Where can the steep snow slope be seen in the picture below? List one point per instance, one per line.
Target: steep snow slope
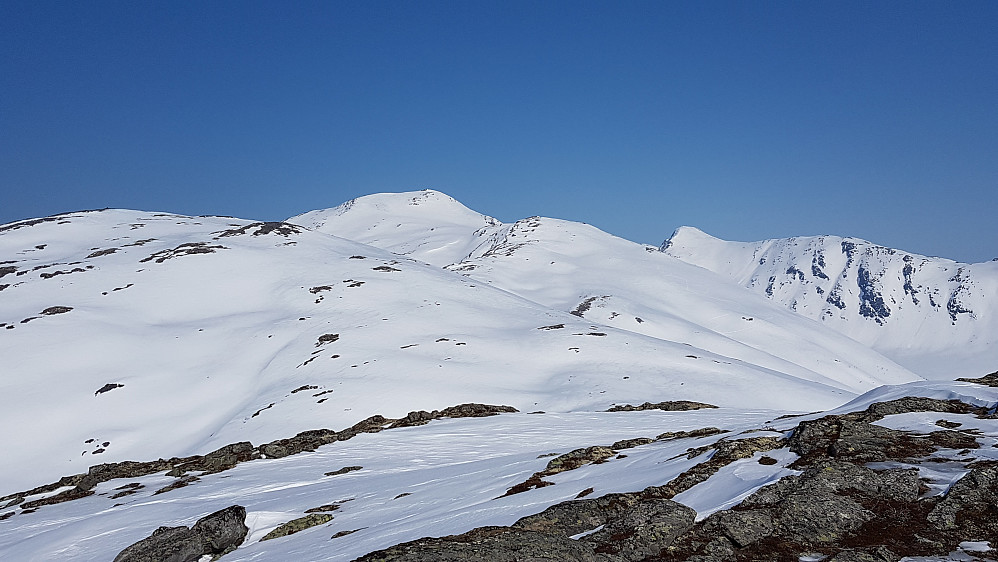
(575, 267)
(128, 335)
(933, 315)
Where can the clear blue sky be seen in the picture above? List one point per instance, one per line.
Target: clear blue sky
(749, 120)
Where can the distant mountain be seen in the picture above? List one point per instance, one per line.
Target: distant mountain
(576, 268)
(933, 315)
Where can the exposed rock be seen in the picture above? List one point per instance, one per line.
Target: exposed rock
(300, 524)
(344, 470)
(494, 544)
(213, 534)
(166, 544)
(989, 379)
(668, 406)
(876, 554)
(577, 458)
(107, 387)
(631, 443)
(702, 432)
(818, 517)
(642, 530)
(52, 310)
(743, 528)
(263, 228)
(971, 505)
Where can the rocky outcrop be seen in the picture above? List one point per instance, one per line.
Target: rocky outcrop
(987, 380)
(299, 524)
(214, 534)
(668, 406)
(836, 507)
(615, 527)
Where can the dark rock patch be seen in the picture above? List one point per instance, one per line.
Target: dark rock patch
(100, 253)
(987, 380)
(327, 338)
(344, 470)
(668, 406)
(47, 275)
(181, 482)
(385, 268)
(267, 407)
(552, 327)
(52, 310)
(215, 534)
(263, 228)
(297, 525)
(584, 306)
(186, 249)
(108, 387)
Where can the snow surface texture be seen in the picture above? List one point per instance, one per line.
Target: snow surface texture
(129, 335)
(443, 478)
(935, 316)
(208, 324)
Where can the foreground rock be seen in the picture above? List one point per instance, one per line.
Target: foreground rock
(836, 509)
(214, 534)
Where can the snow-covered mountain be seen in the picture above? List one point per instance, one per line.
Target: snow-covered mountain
(935, 316)
(136, 336)
(207, 329)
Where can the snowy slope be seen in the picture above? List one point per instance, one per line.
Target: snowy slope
(575, 267)
(445, 478)
(144, 335)
(933, 315)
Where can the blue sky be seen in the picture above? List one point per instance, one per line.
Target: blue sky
(749, 120)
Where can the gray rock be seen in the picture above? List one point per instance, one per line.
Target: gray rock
(166, 544)
(300, 524)
(642, 530)
(815, 518)
(577, 516)
(222, 530)
(969, 505)
(216, 533)
(875, 554)
(745, 527)
(492, 544)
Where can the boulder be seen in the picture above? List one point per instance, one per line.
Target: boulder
(213, 534)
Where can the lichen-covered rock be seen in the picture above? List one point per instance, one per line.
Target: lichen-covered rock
(577, 458)
(810, 518)
(491, 544)
(577, 516)
(300, 524)
(744, 527)
(642, 530)
(971, 505)
(668, 406)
